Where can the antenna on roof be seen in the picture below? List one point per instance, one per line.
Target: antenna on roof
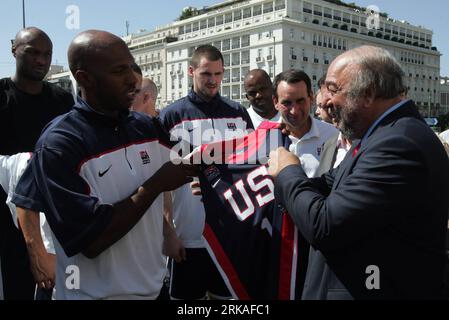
(127, 27)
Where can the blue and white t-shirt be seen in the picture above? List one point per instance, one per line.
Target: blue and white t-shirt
(84, 162)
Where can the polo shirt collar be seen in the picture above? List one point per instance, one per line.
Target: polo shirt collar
(84, 107)
(196, 99)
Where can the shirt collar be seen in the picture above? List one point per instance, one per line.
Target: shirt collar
(196, 99)
(314, 132)
(383, 116)
(86, 108)
(343, 143)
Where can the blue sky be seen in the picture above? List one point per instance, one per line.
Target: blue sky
(111, 15)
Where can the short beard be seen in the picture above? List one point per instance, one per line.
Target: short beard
(348, 119)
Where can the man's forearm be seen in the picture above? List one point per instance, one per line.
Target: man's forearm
(29, 224)
(42, 263)
(127, 213)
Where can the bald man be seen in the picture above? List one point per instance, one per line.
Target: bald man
(97, 174)
(377, 224)
(27, 104)
(145, 99)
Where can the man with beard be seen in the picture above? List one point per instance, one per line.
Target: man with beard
(377, 223)
(293, 98)
(27, 104)
(259, 92)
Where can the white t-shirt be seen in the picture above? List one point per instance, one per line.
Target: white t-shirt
(256, 119)
(11, 169)
(309, 147)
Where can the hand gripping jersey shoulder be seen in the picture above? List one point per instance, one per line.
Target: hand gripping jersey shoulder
(250, 237)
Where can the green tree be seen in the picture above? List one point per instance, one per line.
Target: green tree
(188, 13)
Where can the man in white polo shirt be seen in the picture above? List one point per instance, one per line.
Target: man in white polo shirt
(293, 98)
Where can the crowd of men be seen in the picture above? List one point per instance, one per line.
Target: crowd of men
(89, 181)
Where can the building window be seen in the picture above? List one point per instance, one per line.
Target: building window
(279, 5)
(245, 57)
(236, 43)
(267, 7)
(245, 41)
(226, 76)
(228, 18)
(237, 15)
(257, 11)
(236, 58)
(226, 45)
(236, 75)
(246, 13)
(227, 60)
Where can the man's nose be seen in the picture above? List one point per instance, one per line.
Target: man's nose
(41, 59)
(294, 109)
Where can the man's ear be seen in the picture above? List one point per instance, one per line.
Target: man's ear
(369, 98)
(84, 79)
(275, 102)
(13, 50)
(146, 97)
(190, 71)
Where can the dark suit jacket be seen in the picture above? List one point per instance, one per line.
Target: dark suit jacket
(328, 156)
(386, 207)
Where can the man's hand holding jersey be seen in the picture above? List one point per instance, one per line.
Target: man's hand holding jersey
(280, 159)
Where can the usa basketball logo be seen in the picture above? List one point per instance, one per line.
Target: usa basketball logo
(232, 126)
(145, 157)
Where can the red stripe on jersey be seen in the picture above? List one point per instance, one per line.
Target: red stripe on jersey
(225, 264)
(268, 125)
(249, 144)
(286, 257)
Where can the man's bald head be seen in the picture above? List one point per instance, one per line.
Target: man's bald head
(259, 74)
(28, 35)
(32, 49)
(102, 65)
(89, 46)
(373, 70)
(145, 100)
(149, 86)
